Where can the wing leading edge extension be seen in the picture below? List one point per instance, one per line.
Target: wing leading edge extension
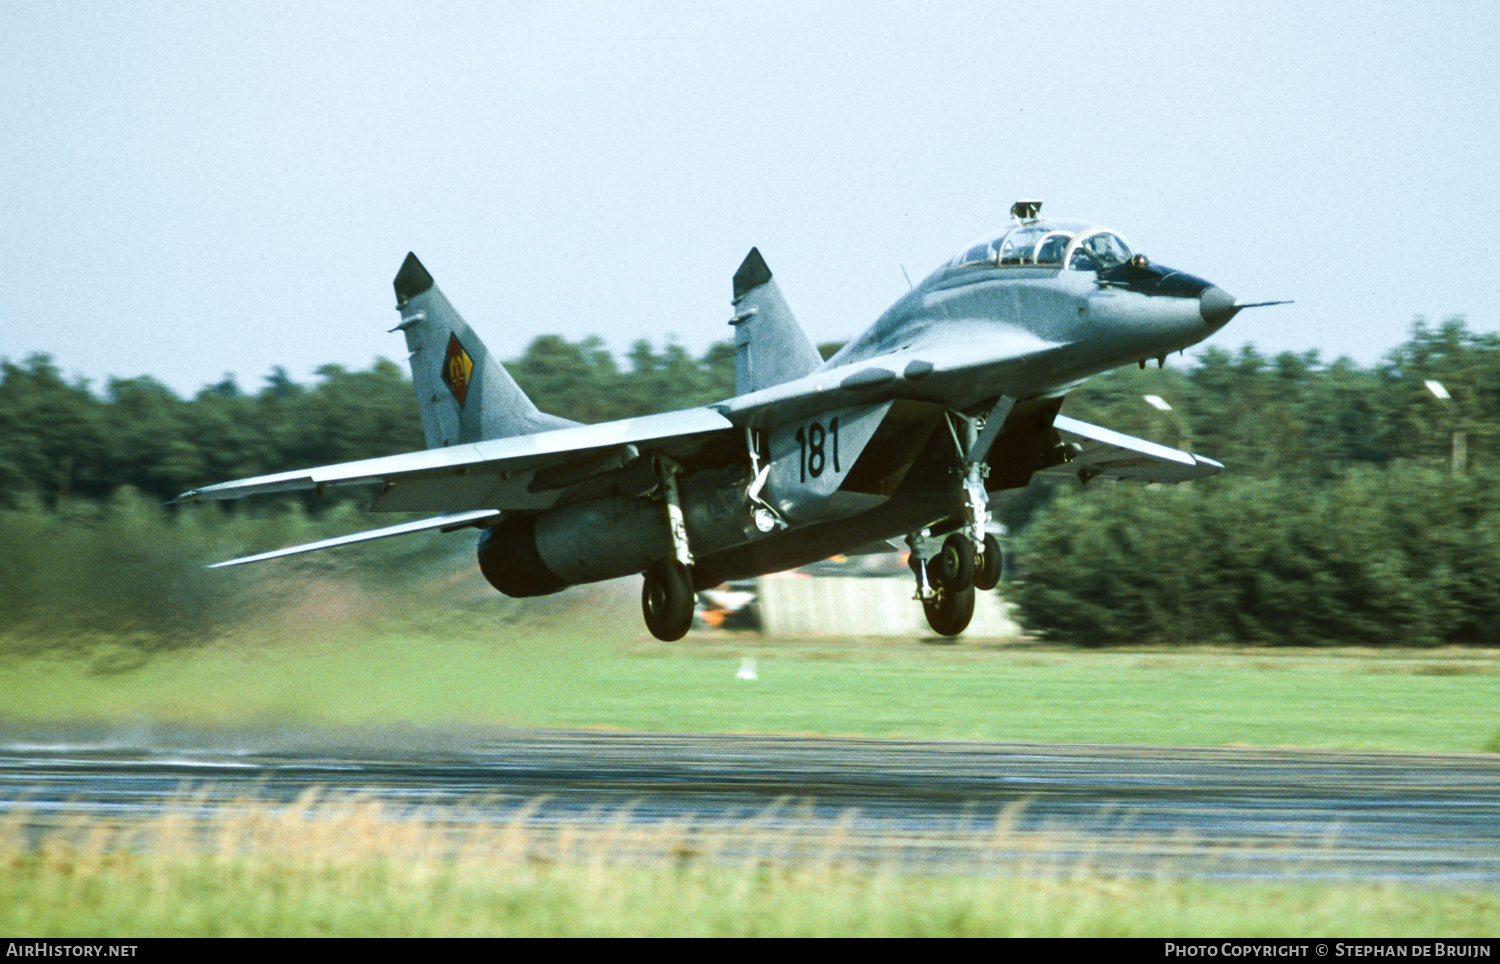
(1105, 452)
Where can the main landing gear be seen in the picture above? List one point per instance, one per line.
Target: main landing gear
(667, 597)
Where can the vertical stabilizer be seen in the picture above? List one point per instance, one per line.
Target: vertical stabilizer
(770, 348)
(463, 393)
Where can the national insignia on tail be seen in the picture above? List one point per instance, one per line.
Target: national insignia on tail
(458, 368)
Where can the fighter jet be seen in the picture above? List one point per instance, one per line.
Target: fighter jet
(899, 438)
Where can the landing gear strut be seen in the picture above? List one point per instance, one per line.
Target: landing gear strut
(974, 448)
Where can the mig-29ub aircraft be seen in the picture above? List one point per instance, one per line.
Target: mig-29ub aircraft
(952, 394)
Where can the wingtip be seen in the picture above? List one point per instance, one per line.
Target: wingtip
(411, 280)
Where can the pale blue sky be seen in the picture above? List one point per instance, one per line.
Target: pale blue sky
(199, 188)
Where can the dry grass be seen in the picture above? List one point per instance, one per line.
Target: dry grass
(324, 865)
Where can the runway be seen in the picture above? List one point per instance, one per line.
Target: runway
(965, 808)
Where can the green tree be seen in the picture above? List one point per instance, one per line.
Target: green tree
(150, 444)
(576, 380)
(51, 439)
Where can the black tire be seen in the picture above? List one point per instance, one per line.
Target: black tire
(956, 562)
(667, 600)
(987, 573)
(948, 612)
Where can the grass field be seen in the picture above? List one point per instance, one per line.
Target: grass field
(340, 660)
(592, 666)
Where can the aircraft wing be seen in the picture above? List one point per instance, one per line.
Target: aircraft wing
(521, 472)
(1104, 452)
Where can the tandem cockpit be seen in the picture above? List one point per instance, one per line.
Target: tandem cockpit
(1032, 242)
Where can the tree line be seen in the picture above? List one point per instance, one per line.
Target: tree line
(61, 440)
(1405, 555)
(1289, 416)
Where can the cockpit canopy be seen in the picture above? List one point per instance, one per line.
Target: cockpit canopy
(1077, 245)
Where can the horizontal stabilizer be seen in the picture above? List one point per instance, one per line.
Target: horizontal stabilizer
(1105, 452)
(422, 525)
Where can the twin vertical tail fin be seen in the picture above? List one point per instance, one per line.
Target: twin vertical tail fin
(463, 393)
(770, 347)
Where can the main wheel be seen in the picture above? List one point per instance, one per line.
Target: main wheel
(987, 574)
(948, 611)
(956, 562)
(667, 600)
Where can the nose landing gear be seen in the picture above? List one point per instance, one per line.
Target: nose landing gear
(969, 558)
(945, 583)
(948, 611)
(988, 567)
(956, 562)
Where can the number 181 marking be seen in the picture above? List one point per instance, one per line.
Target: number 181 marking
(811, 442)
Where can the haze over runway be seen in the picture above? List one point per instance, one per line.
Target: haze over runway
(193, 190)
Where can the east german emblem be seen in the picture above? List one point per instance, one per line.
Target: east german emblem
(458, 367)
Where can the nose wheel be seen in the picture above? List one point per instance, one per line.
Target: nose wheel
(987, 568)
(948, 606)
(948, 611)
(956, 562)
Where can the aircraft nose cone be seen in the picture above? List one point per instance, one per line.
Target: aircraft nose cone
(1217, 306)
